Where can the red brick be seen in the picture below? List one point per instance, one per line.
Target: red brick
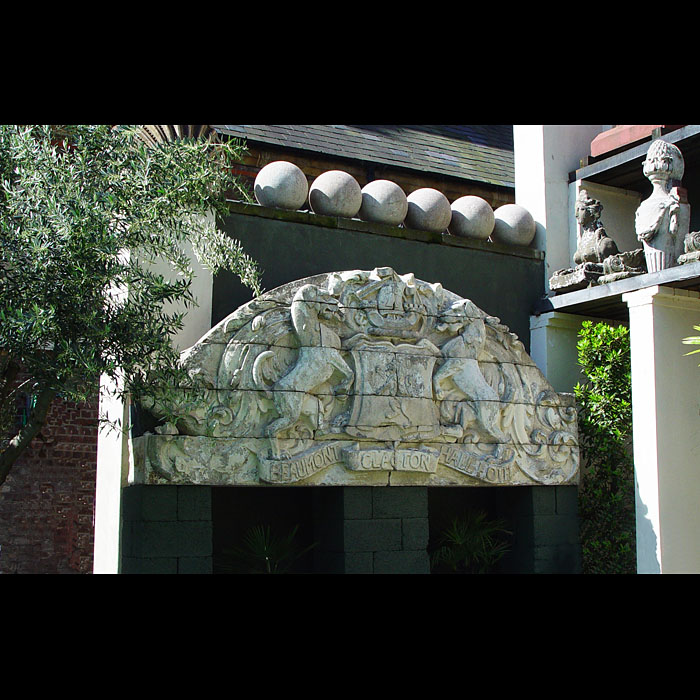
(47, 502)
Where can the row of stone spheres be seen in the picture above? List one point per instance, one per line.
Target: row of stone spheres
(283, 185)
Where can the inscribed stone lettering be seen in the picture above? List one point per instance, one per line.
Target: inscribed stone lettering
(361, 378)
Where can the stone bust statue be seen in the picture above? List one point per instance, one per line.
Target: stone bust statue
(662, 220)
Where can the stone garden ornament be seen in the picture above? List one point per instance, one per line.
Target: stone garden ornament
(662, 221)
(597, 258)
(361, 378)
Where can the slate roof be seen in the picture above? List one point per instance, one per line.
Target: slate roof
(482, 153)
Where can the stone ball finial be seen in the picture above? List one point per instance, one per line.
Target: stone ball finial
(335, 193)
(281, 185)
(428, 210)
(664, 159)
(383, 201)
(513, 225)
(472, 217)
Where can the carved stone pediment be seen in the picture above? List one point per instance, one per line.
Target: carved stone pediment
(361, 377)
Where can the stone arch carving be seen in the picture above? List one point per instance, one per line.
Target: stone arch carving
(362, 377)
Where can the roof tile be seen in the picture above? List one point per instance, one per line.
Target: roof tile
(483, 153)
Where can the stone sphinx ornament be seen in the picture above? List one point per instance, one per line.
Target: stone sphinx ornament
(361, 378)
(597, 257)
(662, 221)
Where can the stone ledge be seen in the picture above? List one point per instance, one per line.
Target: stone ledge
(334, 222)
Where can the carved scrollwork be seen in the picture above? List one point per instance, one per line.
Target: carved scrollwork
(362, 374)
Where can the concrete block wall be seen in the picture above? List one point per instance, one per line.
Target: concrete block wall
(545, 530)
(166, 530)
(358, 530)
(372, 530)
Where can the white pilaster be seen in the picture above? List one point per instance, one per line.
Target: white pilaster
(666, 429)
(111, 476)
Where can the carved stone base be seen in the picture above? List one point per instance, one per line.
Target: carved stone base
(580, 277)
(689, 257)
(188, 459)
(691, 247)
(615, 267)
(613, 277)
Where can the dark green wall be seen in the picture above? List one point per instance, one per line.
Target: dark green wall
(293, 245)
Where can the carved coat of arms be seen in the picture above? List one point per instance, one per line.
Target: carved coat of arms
(362, 377)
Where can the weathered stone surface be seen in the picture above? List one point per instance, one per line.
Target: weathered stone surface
(361, 378)
(594, 245)
(662, 221)
(472, 217)
(281, 185)
(579, 277)
(622, 265)
(383, 201)
(428, 210)
(513, 225)
(597, 257)
(335, 193)
(691, 248)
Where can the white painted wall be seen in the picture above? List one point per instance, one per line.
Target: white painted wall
(665, 382)
(544, 155)
(666, 427)
(198, 319)
(553, 338)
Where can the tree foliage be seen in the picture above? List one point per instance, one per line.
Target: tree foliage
(86, 212)
(606, 496)
(693, 340)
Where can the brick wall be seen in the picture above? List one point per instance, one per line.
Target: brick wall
(47, 501)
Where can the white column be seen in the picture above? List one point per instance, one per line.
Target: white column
(666, 429)
(112, 469)
(544, 155)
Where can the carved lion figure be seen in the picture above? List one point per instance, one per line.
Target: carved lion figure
(461, 366)
(319, 358)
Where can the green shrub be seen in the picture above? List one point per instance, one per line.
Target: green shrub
(264, 551)
(606, 493)
(471, 544)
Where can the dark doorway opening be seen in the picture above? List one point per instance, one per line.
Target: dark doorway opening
(447, 505)
(242, 515)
